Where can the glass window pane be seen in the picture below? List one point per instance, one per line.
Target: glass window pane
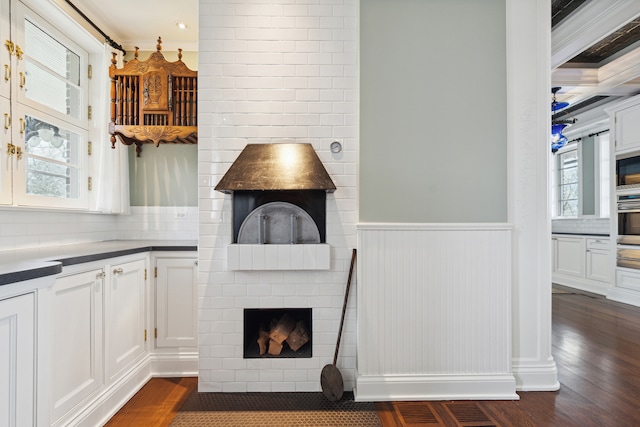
(52, 159)
(51, 179)
(52, 72)
(569, 175)
(568, 183)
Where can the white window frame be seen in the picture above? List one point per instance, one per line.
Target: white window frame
(62, 27)
(558, 201)
(601, 170)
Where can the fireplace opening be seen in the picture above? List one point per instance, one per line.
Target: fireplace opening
(277, 333)
(311, 202)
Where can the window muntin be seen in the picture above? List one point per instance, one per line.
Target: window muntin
(568, 194)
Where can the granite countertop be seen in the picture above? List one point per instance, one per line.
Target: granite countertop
(26, 264)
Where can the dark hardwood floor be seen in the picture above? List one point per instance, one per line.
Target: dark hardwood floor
(596, 346)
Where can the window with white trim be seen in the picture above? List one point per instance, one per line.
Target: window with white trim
(581, 178)
(568, 183)
(46, 120)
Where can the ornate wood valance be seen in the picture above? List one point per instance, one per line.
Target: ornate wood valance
(153, 101)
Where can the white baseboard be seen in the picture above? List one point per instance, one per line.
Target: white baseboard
(175, 365)
(435, 387)
(535, 377)
(593, 286)
(106, 402)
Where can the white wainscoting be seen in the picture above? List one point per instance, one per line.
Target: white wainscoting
(434, 312)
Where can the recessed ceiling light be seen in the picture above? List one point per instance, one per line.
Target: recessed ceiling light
(181, 25)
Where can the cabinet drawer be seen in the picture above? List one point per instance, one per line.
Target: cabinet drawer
(628, 279)
(599, 244)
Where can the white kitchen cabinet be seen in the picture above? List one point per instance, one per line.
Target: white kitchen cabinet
(76, 339)
(582, 262)
(176, 302)
(598, 265)
(569, 256)
(627, 129)
(125, 326)
(17, 360)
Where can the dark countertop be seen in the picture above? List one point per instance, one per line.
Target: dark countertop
(584, 234)
(26, 264)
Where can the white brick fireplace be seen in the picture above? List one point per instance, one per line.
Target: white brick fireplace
(274, 73)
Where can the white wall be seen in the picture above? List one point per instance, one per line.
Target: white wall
(21, 228)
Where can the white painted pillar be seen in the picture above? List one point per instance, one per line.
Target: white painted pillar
(528, 113)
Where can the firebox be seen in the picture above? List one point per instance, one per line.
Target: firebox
(277, 332)
(279, 217)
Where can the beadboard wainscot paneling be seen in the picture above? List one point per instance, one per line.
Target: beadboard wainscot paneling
(434, 312)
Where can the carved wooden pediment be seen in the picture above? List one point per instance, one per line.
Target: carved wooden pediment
(153, 101)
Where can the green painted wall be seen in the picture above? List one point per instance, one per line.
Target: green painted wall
(433, 111)
(164, 176)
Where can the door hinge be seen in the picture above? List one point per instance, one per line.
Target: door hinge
(89, 71)
(145, 274)
(89, 112)
(155, 333)
(155, 272)
(89, 147)
(145, 334)
(89, 183)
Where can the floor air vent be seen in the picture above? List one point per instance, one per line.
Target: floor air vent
(417, 414)
(469, 414)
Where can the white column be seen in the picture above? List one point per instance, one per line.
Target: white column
(528, 113)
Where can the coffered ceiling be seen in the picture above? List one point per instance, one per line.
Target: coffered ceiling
(595, 52)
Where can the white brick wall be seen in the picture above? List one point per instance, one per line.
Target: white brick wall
(270, 72)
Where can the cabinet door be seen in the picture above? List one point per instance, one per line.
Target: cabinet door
(77, 321)
(598, 265)
(125, 318)
(627, 128)
(6, 159)
(17, 358)
(569, 256)
(5, 50)
(176, 312)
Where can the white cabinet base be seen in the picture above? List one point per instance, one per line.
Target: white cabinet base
(582, 262)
